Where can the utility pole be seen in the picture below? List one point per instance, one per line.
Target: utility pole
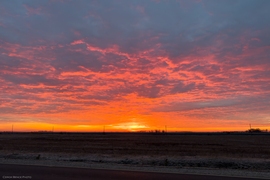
(250, 126)
(52, 128)
(104, 129)
(12, 128)
(166, 129)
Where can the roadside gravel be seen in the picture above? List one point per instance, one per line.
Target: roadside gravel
(256, 168)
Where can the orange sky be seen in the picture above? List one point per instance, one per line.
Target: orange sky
(134, 66)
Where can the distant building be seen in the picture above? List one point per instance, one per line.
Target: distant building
(257, 130)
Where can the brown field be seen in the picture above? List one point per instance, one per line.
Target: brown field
(144, 149)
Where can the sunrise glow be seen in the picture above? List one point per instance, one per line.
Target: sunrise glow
(134, 65)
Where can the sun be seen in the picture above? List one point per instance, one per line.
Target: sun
(130, 126)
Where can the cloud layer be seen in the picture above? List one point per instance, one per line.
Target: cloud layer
(100, 62)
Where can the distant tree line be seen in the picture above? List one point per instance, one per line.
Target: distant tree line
(256, 130)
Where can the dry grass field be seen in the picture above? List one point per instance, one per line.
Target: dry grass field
(183, 150)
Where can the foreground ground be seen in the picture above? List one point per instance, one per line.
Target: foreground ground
(63, 173)
(182, 152)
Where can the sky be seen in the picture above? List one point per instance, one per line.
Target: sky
(189, 65)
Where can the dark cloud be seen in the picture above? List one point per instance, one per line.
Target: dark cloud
(148, 92)
(182, 88)
(241, 101)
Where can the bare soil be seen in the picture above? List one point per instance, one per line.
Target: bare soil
(247, 151)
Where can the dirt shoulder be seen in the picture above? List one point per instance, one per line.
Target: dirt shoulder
(188, 165)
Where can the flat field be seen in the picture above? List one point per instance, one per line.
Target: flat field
(246, 151)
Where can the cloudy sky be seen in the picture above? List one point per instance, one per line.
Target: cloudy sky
(134, 65)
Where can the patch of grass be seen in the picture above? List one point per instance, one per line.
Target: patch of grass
(166, 162)
(38, 157)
